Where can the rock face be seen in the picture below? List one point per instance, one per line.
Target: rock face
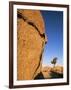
(30, 43)
(46, 71)
(50, 72)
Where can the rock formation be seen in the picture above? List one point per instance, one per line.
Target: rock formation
(52, 72)
(30, 43)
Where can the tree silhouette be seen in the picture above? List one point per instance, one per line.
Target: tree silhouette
(54, 61)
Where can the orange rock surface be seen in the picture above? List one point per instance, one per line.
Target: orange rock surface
(30, 43)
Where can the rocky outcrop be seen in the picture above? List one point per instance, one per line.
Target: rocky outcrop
(30, 43)
(50, 72)
(46, 71)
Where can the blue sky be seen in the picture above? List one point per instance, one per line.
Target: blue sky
(54, 31)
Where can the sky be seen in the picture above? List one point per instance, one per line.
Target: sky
(54, 31)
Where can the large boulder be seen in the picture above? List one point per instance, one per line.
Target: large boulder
(30, 43)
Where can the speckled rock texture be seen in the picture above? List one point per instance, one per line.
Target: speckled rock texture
(30, 43)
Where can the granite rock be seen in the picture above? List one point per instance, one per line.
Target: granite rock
(30, 43)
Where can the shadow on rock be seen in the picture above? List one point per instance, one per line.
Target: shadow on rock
(39, 76)
(56, 75)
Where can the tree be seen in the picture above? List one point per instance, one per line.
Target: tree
(54, 61)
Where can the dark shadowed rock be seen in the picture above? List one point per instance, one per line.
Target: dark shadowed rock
(39, 76)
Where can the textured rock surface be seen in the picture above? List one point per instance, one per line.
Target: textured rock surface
(30, 44)
(50, 72)
(46, 71)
